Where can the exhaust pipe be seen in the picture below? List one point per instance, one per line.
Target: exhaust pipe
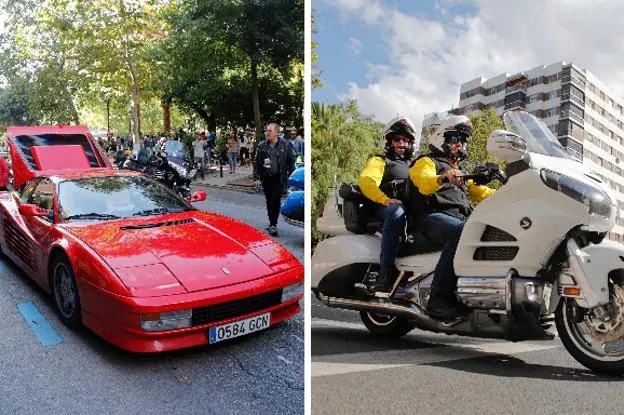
(422, 321)
(412, 312)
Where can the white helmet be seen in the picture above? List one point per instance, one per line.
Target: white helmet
(453, 127)
(399, 125)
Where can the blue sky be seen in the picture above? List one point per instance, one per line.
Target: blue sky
(345, 42)
(410, 57)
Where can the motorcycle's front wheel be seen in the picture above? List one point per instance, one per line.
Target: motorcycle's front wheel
(595, 338)
(386, 326)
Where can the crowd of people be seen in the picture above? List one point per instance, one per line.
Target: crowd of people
(239, 148)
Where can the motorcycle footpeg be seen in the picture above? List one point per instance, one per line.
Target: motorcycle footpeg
(364, 290)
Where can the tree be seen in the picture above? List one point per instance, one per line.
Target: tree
(266, 32)
(342, 141)
(483, 125)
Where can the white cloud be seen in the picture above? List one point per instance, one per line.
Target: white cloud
(355, 45)
(429, 59)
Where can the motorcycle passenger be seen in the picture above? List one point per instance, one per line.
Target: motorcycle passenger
(382, 181)
(441, 205)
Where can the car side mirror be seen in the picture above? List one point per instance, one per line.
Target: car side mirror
(33, 210)
(198, 196)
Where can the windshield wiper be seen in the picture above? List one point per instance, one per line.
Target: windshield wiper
(93, 215)
(154, 211)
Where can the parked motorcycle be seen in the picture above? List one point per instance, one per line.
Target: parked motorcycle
(293, 206)
(177, 177)
(530, 255)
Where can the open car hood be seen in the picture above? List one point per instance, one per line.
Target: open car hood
(35, 151)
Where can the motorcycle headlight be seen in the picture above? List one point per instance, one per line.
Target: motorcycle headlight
(595, 199)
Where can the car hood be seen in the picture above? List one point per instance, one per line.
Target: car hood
(193, 247)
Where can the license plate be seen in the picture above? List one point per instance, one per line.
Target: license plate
(239, 328)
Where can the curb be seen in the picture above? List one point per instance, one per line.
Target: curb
(244, 189)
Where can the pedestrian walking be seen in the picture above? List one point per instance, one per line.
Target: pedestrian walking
(198, 153)
(272, 158)
(233, 149)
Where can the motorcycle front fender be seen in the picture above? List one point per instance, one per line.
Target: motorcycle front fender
(339, 251)
(590, 269)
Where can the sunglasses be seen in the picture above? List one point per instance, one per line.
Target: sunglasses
(398, 139)
(454, 137)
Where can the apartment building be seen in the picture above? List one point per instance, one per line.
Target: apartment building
(585, 115)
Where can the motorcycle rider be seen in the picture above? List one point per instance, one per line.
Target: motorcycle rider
(441, 205)
(382, 181)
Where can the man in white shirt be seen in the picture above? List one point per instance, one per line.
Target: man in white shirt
(198, 153)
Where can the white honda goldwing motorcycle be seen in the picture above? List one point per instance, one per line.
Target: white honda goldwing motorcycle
(532, 253)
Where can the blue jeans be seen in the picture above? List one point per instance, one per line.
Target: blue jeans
(444, 230)
(232, 160)
(393, 218)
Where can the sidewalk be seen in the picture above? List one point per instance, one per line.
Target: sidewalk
(240, 180)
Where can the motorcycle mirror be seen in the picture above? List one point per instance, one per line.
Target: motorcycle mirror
(506, 145)
(198, 196)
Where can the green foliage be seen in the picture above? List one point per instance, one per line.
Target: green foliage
(483, 125)
(221, 51)
(342, 142)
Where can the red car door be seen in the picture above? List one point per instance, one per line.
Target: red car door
(18, 240)
(40, 229)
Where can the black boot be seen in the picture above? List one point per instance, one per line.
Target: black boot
(442, 307)
(384, 282)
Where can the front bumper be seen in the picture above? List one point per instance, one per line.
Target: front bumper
(116, 318)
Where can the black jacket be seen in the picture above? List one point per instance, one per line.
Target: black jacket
(286, 158)
(451, 199)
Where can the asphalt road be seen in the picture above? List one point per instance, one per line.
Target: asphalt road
(425, 373)
(261, 373)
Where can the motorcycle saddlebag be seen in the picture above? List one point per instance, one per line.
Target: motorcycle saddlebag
(357, 209)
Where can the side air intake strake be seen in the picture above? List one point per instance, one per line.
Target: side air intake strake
(492, 234)
(157, 225)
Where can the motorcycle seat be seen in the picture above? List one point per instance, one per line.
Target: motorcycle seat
(417, 243)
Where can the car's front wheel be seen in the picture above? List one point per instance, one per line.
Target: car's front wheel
(65, 292)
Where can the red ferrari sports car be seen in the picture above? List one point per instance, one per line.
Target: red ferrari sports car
(124, 256)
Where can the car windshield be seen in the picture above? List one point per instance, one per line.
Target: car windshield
(539, 139)
(112, 197)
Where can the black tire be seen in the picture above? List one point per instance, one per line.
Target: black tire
(386, 326)
(65, 292)
(573, 342)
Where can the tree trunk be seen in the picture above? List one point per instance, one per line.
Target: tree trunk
(202, 113)
(136, 101)
(166, 106)
(72, 108)
(256, 99)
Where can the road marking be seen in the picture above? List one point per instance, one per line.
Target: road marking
(38, 323)
(344, 363)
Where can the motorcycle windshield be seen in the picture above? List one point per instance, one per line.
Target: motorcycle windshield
(539, 139)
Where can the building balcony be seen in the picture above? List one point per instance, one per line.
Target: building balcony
(579, 83)
(574, 99)
(574, 154)
(573, 116)
(515, 88)
(515, 105)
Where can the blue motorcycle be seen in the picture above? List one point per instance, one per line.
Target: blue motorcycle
(293, 206)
